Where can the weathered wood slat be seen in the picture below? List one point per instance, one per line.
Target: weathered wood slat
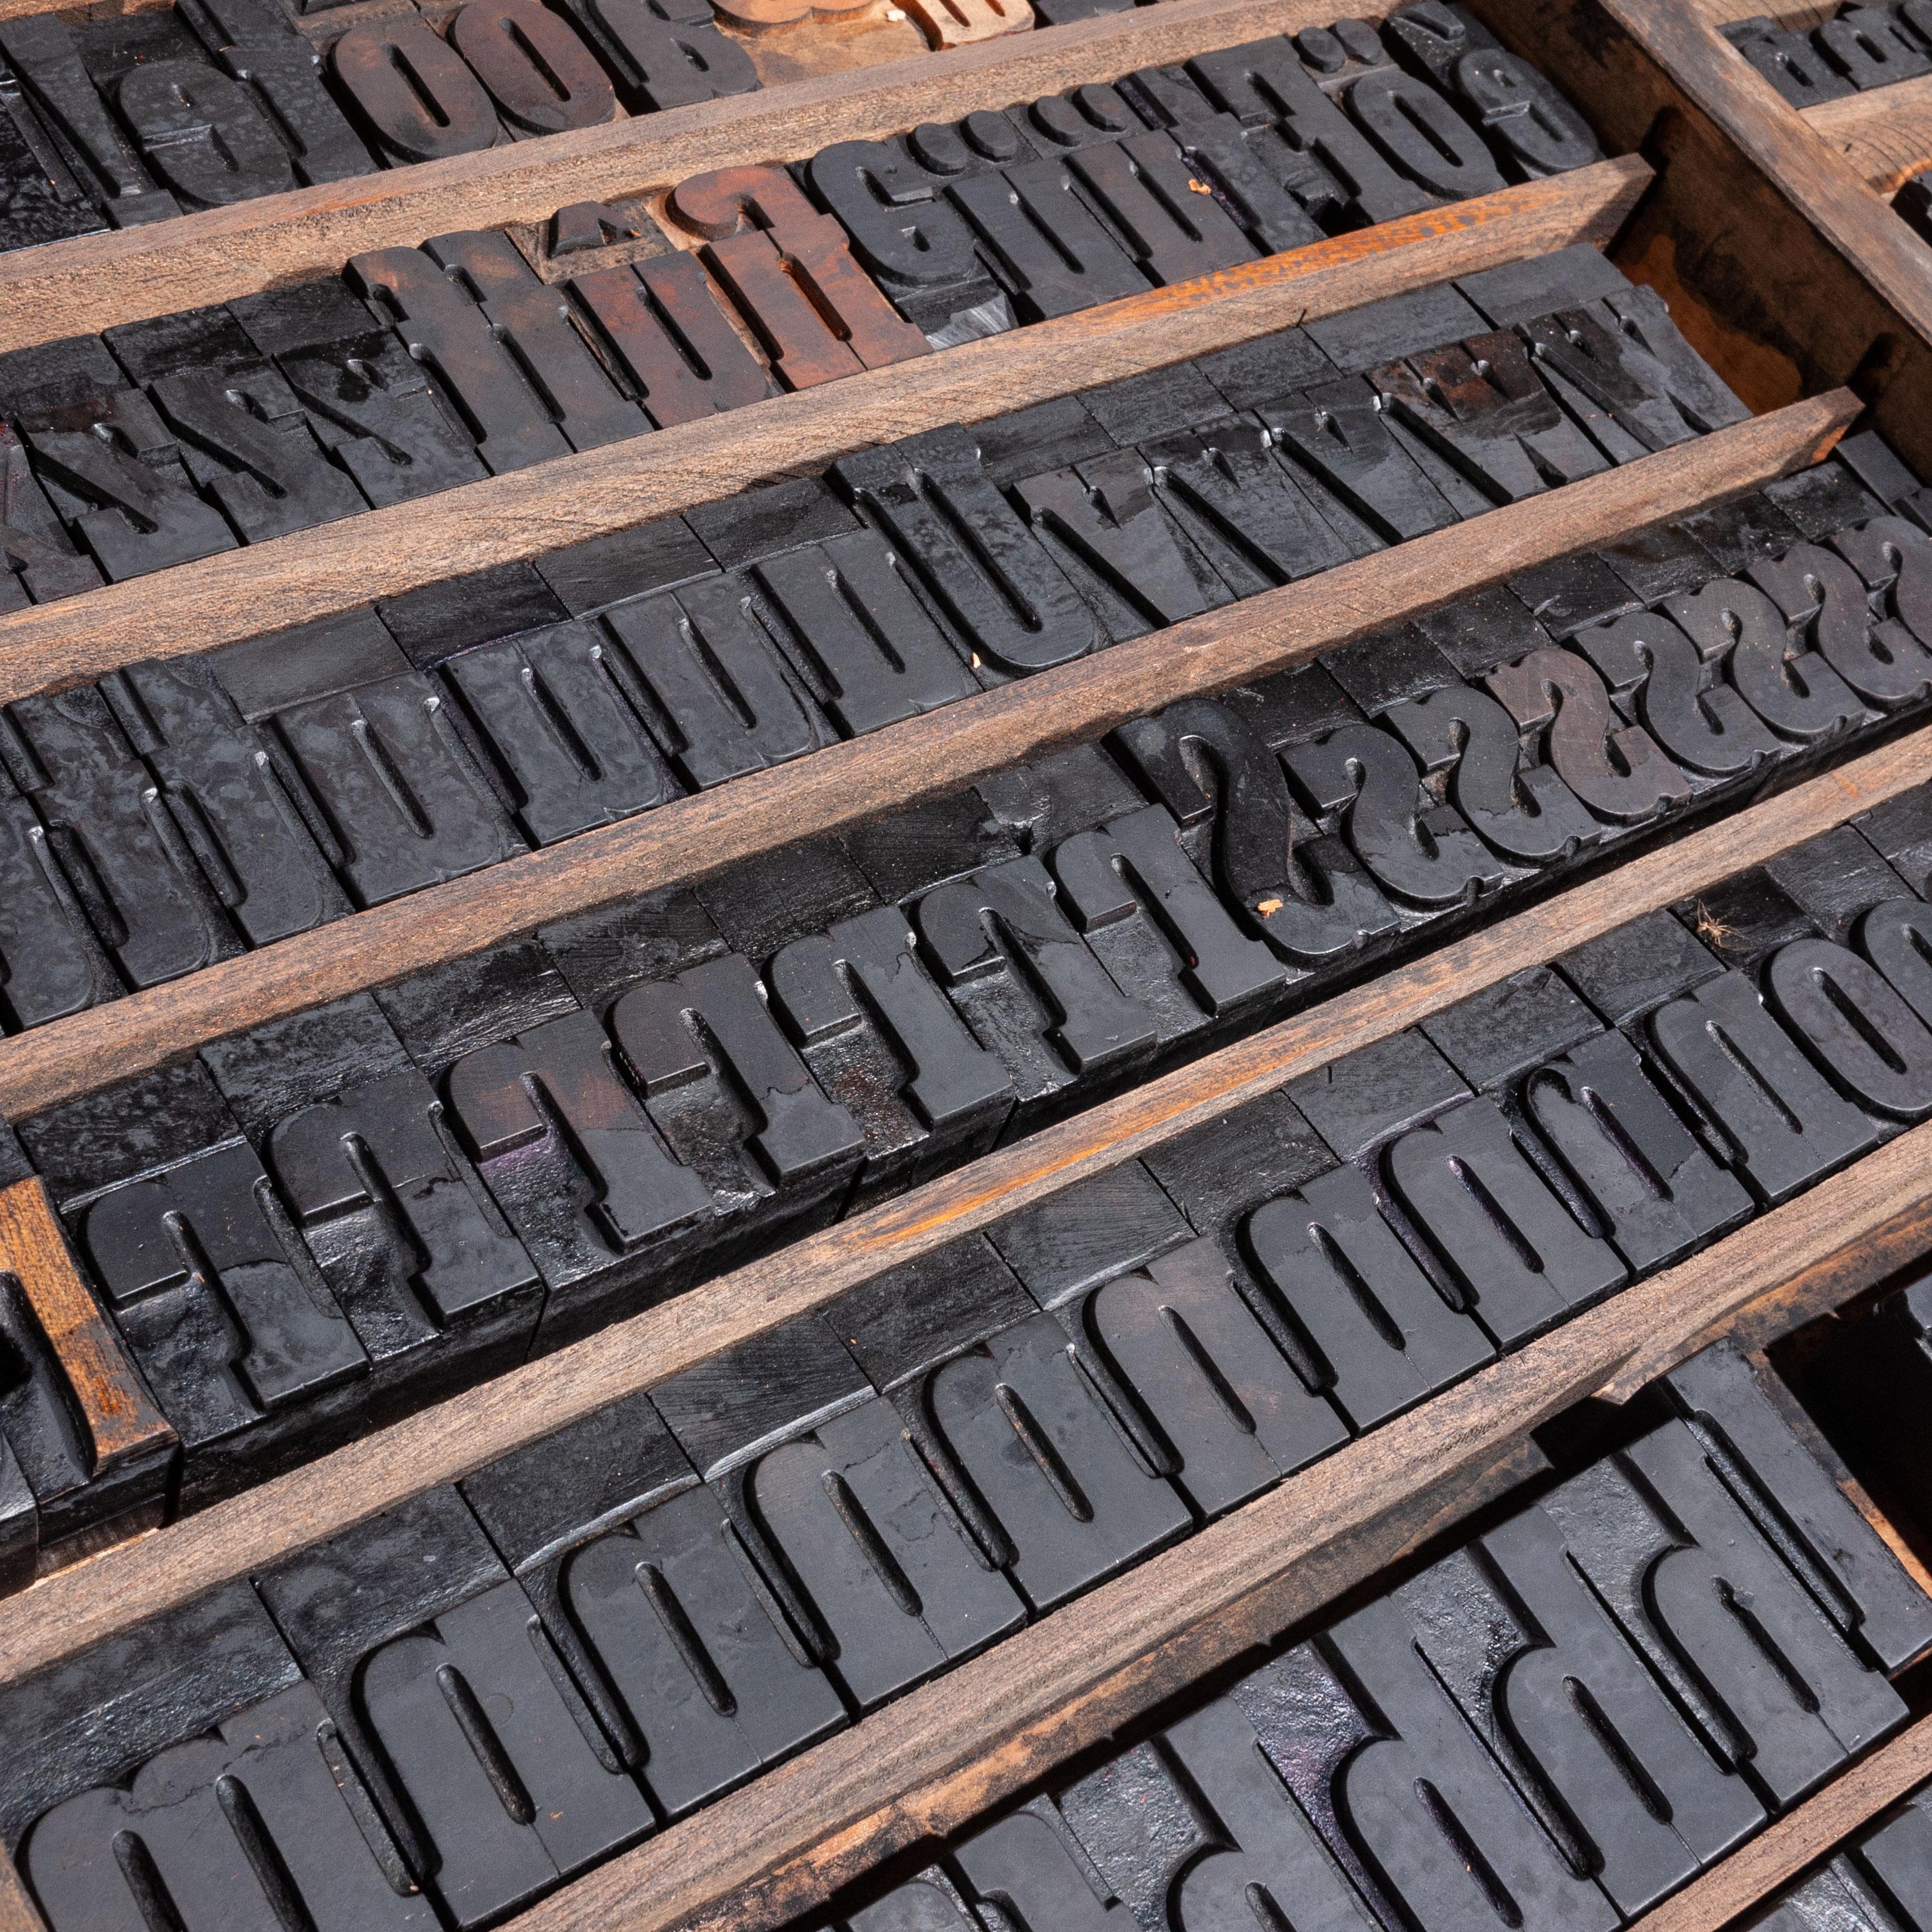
(945, 749)
(1885, 134)
(78, 1606)
(338, 566)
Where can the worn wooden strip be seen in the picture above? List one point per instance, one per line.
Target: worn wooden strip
(68, 288)
(847, 782)
(1885, 134)
(114, 1409)
(78, 1606)
(929, 1764)
(1753, 1873)
(1823, 185)
(342, 565)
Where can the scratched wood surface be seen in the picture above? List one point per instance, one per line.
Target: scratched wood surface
(1885, 134)
(196, 607)
(849, 781)
(137, 1580)
(95, 281)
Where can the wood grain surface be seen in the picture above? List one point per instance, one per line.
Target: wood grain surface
(77, 1607)
(338, 566)
(859, 778)
(930, 1763)
(95, 281)
(1885, 134)
(1754, 1872)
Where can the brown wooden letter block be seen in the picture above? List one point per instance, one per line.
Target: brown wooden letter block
(790, 271)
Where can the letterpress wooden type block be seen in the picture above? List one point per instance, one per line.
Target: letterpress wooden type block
(413, 96)
(1892, 936)
(1242, 509)
(1142, 186)
(1374, 1332)
(114, 473)
(1656, 563)
(883, 1043)
(1836, 879)
(1379, 671)
(1871, 46)
(1025, 1869)
(43, 200)
(1897, 1859)
(663, 53)
(42, 52)
(1422, 853)
(282, 72)
(417, 1256)
(1359, 1728)
(1790, 59)
(450, 1702)
(1155, 924)
(1618, 771)
(1478, 632)
(441, 1014)
(1745, 918)
(435, 621)
(125, 1785)
(1266, 369)
(735, 1103)
(660, 323)
(137, 878)
(1211, 1402)
(370, 404)
(1538, 285)
(1086, 1234)
(1877, 467)
(601, 1206)
(450, 332)
(924, 843)
(1344, 179)
(1659, 680)
(1028, 984)
(653, 936)
(873, 1567)
(568, 749)
(1848, 1567)
(1493, 1036)
(1901, 831)
(542, 77)
(1105, 526)
(906, 234)
(53, 964)
(1820, 594)
(200, 130)
(1824, 499)
(715, 688)
(1740, 532)
(1049, 248)
(37, 554)
(1637, 966)
(1735, 628)
(1421, 132)
(1521, 811)
(1335, 435)
(1051, 798)
(1676, 1561)
(1479, 408)
(1860, 1031)
(931, 1903)
(584, 577)
(1520, 1643)
(765, 243)
(1651, 1185)
(1893, 558)
(1570, 594)
(1137, 1826)
(763, 903)
(986, 1406)
(404, 804)
(924, 491)
(1357, 1102)
(87, 1444)
(229, 1322)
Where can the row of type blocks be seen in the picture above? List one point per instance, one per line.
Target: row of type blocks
(176, 438)
(333, 1219)
(182, 810)
(434, 1718)
(1859, 48)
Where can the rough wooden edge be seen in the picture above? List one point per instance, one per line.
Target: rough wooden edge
(342, 565)
(928, 1765)
(847, 782)
(95, 281)
(1885, 134)
(1751, 1874)
(79, 1606)
(1822, 184)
